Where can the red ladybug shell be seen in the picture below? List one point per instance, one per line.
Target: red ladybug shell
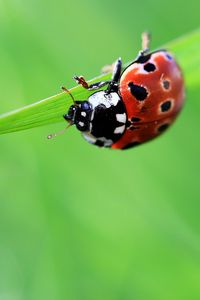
(152, 90)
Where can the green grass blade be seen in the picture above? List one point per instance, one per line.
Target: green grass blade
(51, 110)
(47, 111)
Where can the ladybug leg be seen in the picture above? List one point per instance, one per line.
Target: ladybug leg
(97, 85)
(108, 68)
(113, 85)
(117, 70)
(146, 39)
(81, 80)
(90, 87)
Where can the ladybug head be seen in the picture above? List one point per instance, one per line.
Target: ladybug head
(79, 114)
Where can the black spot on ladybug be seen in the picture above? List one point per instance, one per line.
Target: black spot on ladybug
(163, 127)
(131, 145)
(134, 119)
(165, 106)
(143, 58)
(149, 67)
(139, 92)
(166, 84)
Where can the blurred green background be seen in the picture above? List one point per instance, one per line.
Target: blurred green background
(78, 222)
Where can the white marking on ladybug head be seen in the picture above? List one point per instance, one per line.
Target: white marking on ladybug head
(81, 124)
(83, 113)
(121, 118)
(119, 129)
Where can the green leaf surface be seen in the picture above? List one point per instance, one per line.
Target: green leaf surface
(51, 110)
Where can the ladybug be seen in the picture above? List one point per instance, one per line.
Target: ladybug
(138, 104)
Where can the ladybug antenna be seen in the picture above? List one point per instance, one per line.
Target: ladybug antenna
(68, 92)
(146, 38)
(52, 135)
